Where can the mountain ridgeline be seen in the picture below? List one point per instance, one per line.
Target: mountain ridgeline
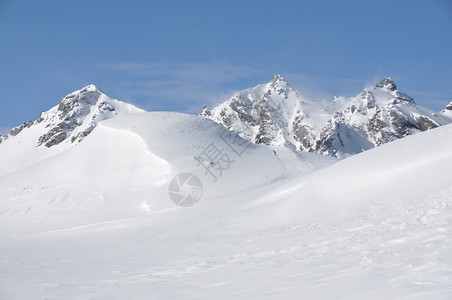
(277, 114)
(74, 117)
(273, 114)
(60, 128)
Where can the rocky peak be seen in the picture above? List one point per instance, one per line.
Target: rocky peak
(279, 86)
(447, 111)
(206, 111)
(74, 117)
(276, 114)
(279, 82)
(449, 106)
(78, 100)
(278, 79)
(387, 84)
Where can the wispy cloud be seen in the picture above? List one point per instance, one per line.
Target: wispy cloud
(436, 100)
(178, 86)
(186, 87)
(326, 86)
(4, 130)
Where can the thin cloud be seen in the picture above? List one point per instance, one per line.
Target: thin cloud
(436, 100)
(325, 87)
(182, 87)
(213, 71)
(4, 130)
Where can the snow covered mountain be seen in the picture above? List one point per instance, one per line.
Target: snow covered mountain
(277, 114)
(97, 222)
(448, 110)
(59, 128)
(273, 114)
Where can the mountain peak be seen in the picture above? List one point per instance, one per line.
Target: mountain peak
(276, 114)
(87, 96)
(449, 106)
(89, 88)
(77, 114)
(277, 78)
(387, 84)
(64, 125)
(448, 110)
(280, 86)
(279, 81)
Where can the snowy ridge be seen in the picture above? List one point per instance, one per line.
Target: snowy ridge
(59, 128)
(277, 114)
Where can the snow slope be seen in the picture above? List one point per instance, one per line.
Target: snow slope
(96, 221)
(123, 168)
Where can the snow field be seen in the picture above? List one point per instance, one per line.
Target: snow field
(96, 222)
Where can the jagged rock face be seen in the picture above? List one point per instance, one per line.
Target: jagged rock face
(387, 84)
(85, 106)
(449, 106)
(15, 131)
(74, 118)
(302, 133)
(377, 116)
(447, 111)
(257, 114)
(276, 114)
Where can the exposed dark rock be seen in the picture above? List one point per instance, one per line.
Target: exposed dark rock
(263, 136)
(16, 130)
(53, 137)
(278, 115)
(401, 123)
(71, 112)
(302, 134)
(387, 84)
(206, 112)
(242, 112)
(426, 123)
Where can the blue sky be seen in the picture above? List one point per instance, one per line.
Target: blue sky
(179, 55)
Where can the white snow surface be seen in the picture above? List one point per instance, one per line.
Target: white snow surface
(96, 220)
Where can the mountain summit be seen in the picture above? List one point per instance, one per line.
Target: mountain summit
(448, 110)
(277, 114)
(77, 115)
(59, 128)
(387, 84)
(263, 114)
